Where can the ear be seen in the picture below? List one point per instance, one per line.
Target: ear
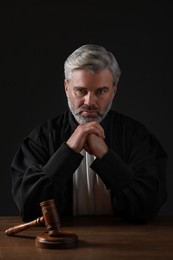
(66, 87)
(115, 90)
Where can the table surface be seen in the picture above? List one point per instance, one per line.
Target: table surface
(99, 238)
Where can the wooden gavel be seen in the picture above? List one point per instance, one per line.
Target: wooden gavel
(54, 238)
(50, 218)
(19, 228)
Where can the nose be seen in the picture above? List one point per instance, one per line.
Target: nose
(90, 99)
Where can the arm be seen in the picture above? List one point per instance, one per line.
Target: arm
(39, 172)
(138, 186)
(37, 177)
(137, 180)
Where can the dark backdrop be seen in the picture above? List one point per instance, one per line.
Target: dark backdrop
(37, 36)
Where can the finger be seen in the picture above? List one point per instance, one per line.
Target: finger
(95, 128)
(87, 148)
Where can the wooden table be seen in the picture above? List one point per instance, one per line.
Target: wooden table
(99, 238)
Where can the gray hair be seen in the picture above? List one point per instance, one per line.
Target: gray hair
(92, 57)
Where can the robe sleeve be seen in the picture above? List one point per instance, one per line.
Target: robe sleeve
(138, 184)
(37, 177)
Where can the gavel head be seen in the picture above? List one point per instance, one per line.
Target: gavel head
(51, 217)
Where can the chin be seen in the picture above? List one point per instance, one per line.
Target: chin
(84, 120)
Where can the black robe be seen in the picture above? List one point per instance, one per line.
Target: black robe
(134, 169)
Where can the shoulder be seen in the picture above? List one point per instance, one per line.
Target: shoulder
(51, 125)
(126, 122)
(135, 131)
(131, 129)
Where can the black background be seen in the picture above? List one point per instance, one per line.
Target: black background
(37, 36)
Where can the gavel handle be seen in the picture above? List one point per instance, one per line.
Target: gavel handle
(19, 228)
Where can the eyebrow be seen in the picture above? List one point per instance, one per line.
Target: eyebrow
(80, 87)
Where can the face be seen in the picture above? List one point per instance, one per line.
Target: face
(90, 95)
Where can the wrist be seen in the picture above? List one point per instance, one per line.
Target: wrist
(102, 153)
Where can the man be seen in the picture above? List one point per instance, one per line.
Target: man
(91, 160)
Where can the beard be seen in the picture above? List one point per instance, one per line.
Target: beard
(101, 114)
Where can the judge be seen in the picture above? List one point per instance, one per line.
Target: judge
(91, 159)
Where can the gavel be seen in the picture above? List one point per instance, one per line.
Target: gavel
(54, 237)
(50, 218)
(19, 228)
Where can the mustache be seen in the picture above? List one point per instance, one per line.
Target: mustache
(86, 107)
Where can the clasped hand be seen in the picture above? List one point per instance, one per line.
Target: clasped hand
(89, 136)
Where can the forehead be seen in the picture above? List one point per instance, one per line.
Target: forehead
(88, 78)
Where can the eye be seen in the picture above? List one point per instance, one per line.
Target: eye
(101, 91)
(80, 91)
